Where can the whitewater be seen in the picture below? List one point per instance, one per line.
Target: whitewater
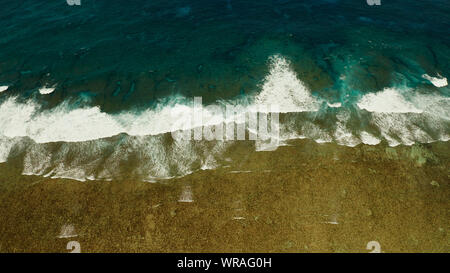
(85, 143)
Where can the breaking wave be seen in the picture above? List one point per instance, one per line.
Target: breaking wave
(86, 143)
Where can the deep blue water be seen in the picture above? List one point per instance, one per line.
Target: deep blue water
(130, 53)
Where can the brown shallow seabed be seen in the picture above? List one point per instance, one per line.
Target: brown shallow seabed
(307, 197)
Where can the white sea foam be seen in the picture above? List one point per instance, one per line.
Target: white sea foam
(342, 134)
(369, 139)
(280, 87)
(3, 88)
(438, 82)
(14, 117)
(283, 88)
(6, 145)
(433, 104)
(405, 116)
(152, 158)
(62, 123)
(46, 90)
(387, 101)
(334, 105)
(59, 124)
(37, 160)
(401, 128)
(86, 152)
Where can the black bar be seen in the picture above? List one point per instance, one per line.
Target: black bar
(196, 262)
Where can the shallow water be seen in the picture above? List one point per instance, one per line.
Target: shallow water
(307, 197)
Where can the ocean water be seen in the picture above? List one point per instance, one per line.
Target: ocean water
(94, 91)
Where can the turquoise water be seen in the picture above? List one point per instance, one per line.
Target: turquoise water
(96, 82)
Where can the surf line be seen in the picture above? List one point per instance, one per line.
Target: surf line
(226, 122)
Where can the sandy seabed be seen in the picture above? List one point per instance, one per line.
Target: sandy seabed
(306, 197)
